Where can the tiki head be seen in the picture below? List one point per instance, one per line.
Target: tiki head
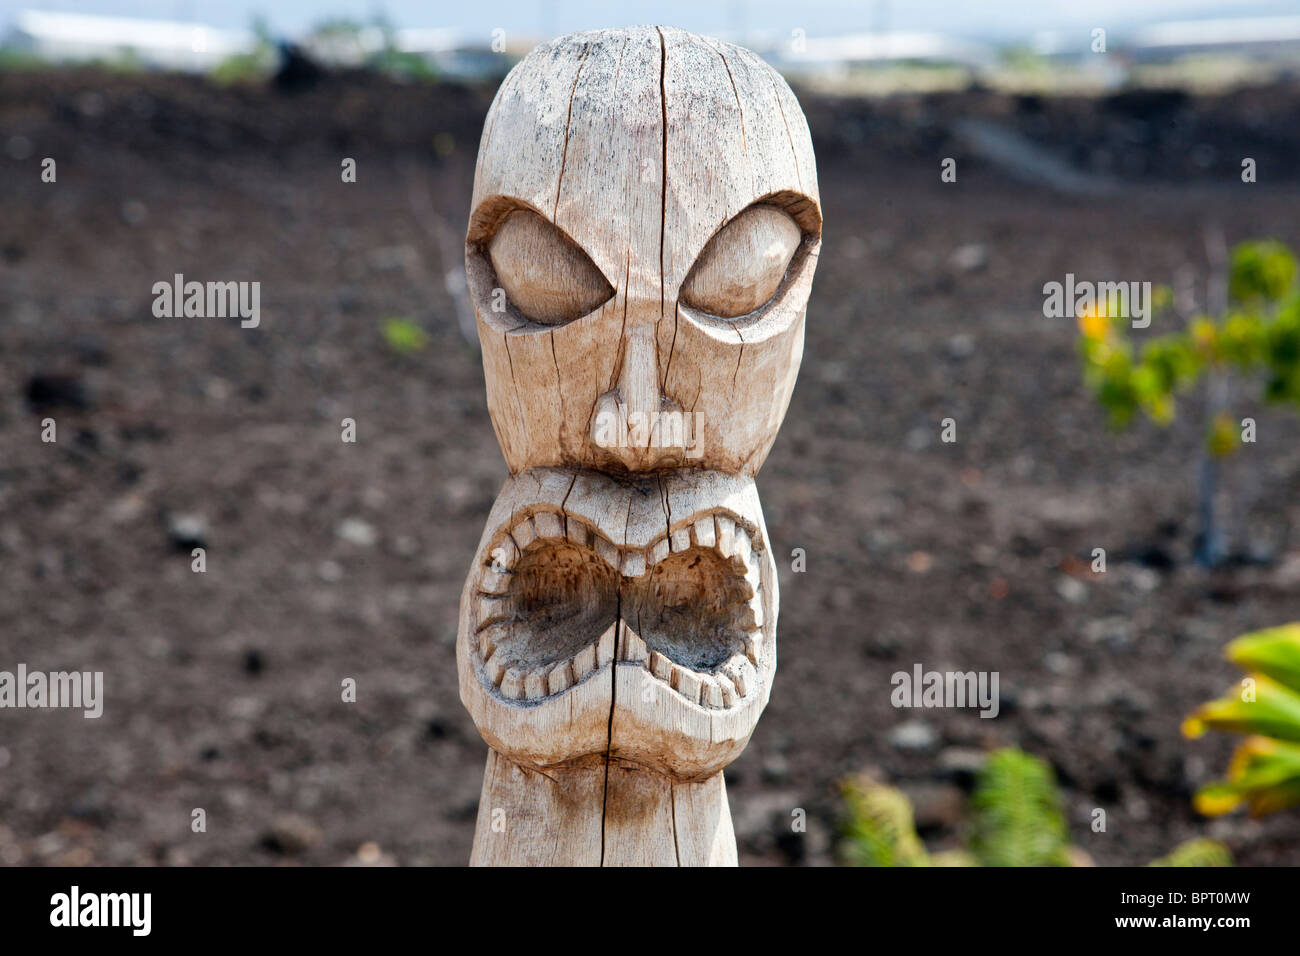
(644, 229)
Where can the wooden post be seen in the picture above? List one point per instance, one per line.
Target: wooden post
(644, 229)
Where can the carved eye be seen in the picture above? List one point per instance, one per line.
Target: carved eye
(743, 265)
(547, 277)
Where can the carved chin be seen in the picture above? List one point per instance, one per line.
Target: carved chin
(639, 616)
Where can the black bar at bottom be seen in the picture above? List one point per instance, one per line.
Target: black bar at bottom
(302, 906)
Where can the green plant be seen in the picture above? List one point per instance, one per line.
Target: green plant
(243, 68)
(1017, 813)
(1196, 853)
(252, 66)
(13, 60)
(1264, 772)
(404, 336)
(1255, 334)
(1016, 820)
(879, 830)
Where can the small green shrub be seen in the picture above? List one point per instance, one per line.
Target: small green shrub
(880, 830)
(404, 336)
(1264, 772)
(1257, 338)
(1196, 853)
(1015, 820)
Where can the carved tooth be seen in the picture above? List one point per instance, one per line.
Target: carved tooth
(661, 666)
(754, 645)
(726, 534)
(750, 676)
(726, 688)
(548, 525)
(535, 684)
(753, 574)
(755, 606)
(705, 533)
(747, 616)
(682, 539)
(512, 685)
(633, 648)
(584, 662)
(742, 674)
(487, 640)
(524, 533)
(491, 610)
(742, 546)
(494, 581)
(576, 532)
(561, 677)
(710, 692)
(687, 683)
(606, 549)
(659, 551)
(633, 563)
(605, 649)
(495, 668)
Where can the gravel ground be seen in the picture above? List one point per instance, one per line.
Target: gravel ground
(328, 560)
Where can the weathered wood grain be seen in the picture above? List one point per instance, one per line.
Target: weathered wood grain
(644, 231)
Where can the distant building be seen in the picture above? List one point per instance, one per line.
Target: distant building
(1261, 37)
(884, 47)
(455, 55)
(447, 51)
(162, 44)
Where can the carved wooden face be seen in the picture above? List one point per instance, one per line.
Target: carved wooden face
(646, 202)
(623, 617)
(644, 232)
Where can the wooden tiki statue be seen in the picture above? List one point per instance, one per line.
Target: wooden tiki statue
(644, 229)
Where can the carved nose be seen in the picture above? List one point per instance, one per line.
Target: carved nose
(635, 422)
(638, 383)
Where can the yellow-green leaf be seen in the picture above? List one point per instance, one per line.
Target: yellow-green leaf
(404, 336)
(1199, 852)
(1275, 652)
(1263, 773)
(1274, 711)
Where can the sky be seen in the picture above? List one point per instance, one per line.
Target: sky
(1000, 20)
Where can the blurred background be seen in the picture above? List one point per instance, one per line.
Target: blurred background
(207, 140)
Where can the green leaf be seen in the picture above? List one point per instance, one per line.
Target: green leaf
(953, 858)
(879, 830)
(1017, 813)
(1274, 712)
(1263, 773)
(1223, 438)
(404, 336)
(1200, 852)
(1242, 341)
(1274, 652)
(1261, 269)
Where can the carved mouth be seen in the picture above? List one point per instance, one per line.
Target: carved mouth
(556, 601)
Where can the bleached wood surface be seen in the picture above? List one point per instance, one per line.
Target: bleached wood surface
(644, 232)
(640, 145)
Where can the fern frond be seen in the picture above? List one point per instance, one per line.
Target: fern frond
(1200, 852)
(1017, 813)
(879, 830)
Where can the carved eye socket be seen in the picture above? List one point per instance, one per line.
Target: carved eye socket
(743, 265)
(547, 277)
